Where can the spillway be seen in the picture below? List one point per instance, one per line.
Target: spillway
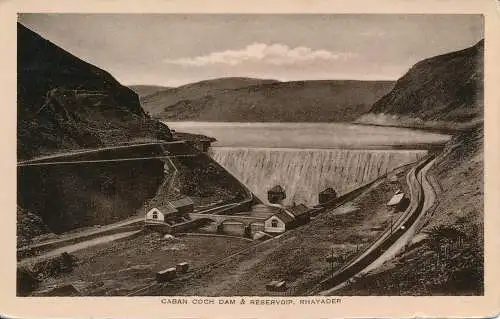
(303, 173)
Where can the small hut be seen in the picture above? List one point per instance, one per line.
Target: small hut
(398, 202)
(184, 205)
(276, 194)
(160, 214)
(301, 214)
(278, 222)
(327, 195)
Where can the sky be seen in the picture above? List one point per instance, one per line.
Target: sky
(176, 49)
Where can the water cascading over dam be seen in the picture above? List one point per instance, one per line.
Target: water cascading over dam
(303, 173)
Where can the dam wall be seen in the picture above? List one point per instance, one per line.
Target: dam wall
(303, 173)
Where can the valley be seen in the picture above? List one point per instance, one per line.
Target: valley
(242, 186)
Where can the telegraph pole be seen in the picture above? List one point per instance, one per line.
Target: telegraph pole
(331, 261)
(391, 223)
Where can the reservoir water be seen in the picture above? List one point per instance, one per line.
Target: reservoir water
(305, 158)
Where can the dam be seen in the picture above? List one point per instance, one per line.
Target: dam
(305, 172)
(305, 158)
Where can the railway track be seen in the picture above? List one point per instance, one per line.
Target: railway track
(155, 288)
(152, 288)
(384, 241)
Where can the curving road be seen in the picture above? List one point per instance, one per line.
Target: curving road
(429, 197)
(391, 240)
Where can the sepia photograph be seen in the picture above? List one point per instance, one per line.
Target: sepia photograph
(223, 155)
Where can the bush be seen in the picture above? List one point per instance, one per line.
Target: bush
(63, 263)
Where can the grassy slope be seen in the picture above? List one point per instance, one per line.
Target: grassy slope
(300, 101)
(155, 102)
(445, 90)
(439, 262)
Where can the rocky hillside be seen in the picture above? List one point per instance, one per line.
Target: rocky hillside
(252, 100)
(442, 89)
(65, 103)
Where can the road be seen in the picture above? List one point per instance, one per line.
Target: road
(391, 240)
(70, 240)
(78, 246)
(82, 235)
(429, 197)
(91, 151)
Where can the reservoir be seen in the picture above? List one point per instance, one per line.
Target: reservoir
(306, 158)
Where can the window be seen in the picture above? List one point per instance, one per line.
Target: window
(155, 215)
(274, 223)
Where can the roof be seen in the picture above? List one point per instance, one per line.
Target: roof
(283, 216)
(259, 214)
(260, 211)
(329, 190)
(166, 209)
(396, 199)
(277, 189)
(298, 210)
(181, 202)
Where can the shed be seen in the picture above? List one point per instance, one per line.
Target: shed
(271, 285)
(182, 267)
(276, 285)
(327, 195)
(278, 222)
(299, 210)
(280, 286)
(276, 194)
(396, 199)
(301, 213)
(159, 214)
(166, 275)
(399, 202)
(184, 205)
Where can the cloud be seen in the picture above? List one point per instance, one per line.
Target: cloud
(274, 54)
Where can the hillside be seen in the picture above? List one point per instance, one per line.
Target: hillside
(65, 103)
(298, 101)
(156, 102)
(446, 89)
(446, 257)
(145, 90)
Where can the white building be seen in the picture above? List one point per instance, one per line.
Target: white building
(278, 222)
(158, 214)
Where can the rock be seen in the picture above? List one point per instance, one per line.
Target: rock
(169, 237)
